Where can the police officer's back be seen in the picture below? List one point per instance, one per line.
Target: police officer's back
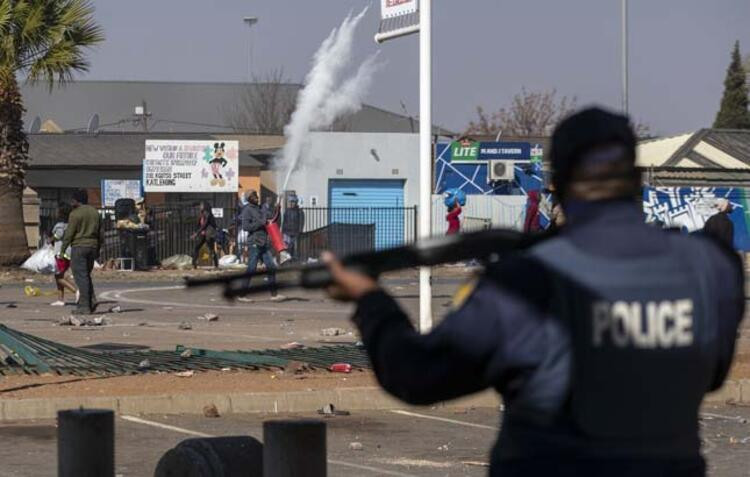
(602, 340)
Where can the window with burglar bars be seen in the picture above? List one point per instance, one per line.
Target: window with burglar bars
(343, 230)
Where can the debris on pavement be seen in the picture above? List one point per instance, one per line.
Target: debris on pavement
(177, 262)
(11, 305)
(330, 410)
(475, 463)
(292, 345)
(444, 447)
(76, 321)
(340, 368)
(145, 364)
(209, 317)
(356, 446)
(187, 353)
(185, 326)
(115, 309)
(210, 410)
(333, 332)
(185, 374)
(297, 367)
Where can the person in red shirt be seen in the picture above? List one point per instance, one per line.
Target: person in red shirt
(453, 218)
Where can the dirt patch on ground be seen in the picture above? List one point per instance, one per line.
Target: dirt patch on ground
(25, 387)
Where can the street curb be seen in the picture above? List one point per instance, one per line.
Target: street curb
(350, 399)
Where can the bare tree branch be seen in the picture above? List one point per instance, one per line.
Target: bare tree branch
(264, 107)
(531, 113)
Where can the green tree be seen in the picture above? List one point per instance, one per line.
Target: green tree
(733, 112)
(43, 40)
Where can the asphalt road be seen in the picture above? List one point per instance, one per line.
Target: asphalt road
(427, 442)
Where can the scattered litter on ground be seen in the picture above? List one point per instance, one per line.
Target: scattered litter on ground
(168, 308)
(356, 446)
(185, 326)
(187, 353)
(11, 305)
(297, 367)
(340, 368)
(28, 280)
(143, 323)
(444, 447)
(185, 374)
(209, 317)
(145, 364)
(333, 332)
(330, 410)
(115, 309)
(210, 410)
(28, 290)
(226, 369)
(177, 262)
(292, 345)
(406, 462)
(76, 321)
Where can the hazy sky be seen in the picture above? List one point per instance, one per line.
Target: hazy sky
(484, 51)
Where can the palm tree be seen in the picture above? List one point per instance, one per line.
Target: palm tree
(43, 40)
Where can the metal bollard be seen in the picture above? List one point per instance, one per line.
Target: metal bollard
(239, 456)
(292, 448)
(86, 443)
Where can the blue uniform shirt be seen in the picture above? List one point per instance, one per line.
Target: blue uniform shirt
(506, 336)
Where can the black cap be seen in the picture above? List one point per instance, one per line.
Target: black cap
(584, 130)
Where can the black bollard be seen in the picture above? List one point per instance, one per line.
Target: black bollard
(239, 456)
(292, 448)
(86, 443)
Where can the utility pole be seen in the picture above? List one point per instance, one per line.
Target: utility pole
(625, 105)
(425, 157)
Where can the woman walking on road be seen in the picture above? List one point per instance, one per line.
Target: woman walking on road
(62, 257)
(206, 234)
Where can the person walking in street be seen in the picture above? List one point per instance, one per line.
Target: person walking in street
(454, 218)
(206, 234)
(292, 225)
(254, 220)
(719, 226)
(84, 237)
(62, 257)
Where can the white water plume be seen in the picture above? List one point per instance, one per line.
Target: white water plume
(325, 97)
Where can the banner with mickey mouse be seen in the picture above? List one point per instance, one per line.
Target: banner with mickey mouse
(191, 166)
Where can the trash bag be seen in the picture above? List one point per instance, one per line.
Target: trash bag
(177, 262)
(42, 261)
(451, 195)
(230, 261)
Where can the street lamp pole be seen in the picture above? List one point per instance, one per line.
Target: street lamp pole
(250, 21)
(425, 156)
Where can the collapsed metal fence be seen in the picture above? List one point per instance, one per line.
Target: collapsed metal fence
(23, 353)
(343, 230)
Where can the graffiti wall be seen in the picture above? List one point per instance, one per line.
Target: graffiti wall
(688, 208)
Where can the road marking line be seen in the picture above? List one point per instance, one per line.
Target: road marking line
(118, 295)
(189, 432)
(443, 419)
(138, 420)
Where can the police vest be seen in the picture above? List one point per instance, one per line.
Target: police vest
(643, 333)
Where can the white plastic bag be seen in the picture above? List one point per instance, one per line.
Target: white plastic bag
(42, 261)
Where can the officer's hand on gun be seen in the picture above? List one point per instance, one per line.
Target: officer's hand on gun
(347, 285)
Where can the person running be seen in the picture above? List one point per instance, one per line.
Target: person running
(206, 234)
(62, 258)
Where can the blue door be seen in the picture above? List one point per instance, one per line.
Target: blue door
(372, 202)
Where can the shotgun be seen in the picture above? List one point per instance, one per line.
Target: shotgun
(487, 246)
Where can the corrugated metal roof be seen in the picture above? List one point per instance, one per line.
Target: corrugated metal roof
(707, 148)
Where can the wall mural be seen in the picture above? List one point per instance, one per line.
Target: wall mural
(688, 208)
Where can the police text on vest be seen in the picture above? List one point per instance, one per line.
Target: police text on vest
(665, 324)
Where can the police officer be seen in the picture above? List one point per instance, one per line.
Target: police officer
(602, 340)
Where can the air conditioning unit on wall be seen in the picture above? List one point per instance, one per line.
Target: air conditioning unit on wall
(501, 170)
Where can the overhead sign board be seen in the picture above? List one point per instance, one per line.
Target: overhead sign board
(114, 189)
(394, 8)
(191, 166)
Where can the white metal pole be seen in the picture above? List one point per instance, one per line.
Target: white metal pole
(425, 156)
(625, 105)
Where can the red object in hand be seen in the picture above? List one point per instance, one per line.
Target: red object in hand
(274, 235)
(341, 368)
